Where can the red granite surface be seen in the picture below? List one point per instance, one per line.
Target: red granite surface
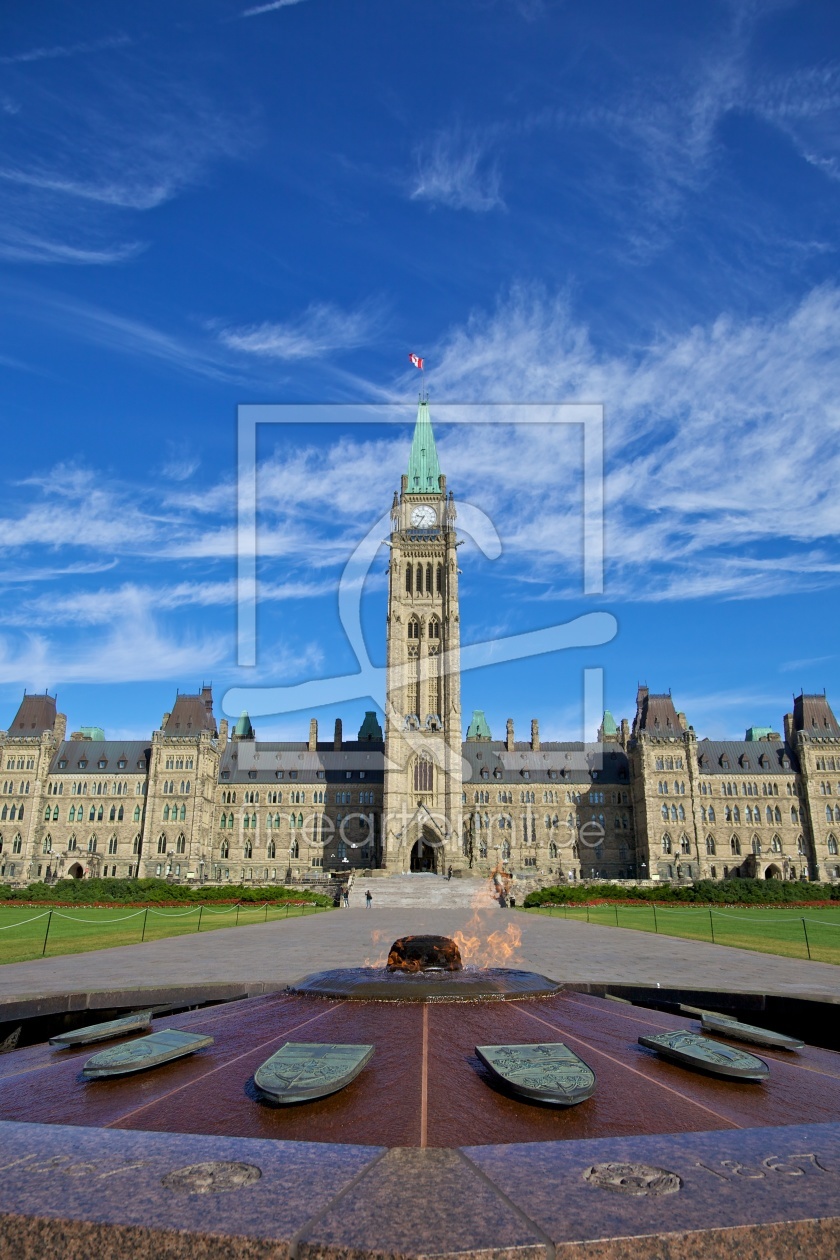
(424, 1086)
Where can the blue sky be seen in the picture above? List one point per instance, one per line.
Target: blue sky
(208, 204)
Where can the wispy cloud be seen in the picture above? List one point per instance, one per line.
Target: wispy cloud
(454, 169)
(321, 330)
(64, 50)
(258, 9)
(73, 165)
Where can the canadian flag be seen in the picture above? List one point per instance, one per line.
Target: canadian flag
(417, 361)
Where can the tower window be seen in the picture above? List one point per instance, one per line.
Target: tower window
(423, 775)
(408, 574)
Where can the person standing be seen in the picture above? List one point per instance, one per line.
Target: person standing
(345, 897)
(368, 900)
(449, 873)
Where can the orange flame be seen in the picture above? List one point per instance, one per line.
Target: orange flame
(377, 938)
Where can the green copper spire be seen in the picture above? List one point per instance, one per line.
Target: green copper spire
(423, 466)
(478, 728)
(608, 725)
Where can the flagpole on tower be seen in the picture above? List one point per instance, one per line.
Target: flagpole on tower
(420, 363)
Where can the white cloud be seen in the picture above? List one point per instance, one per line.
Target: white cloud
(322, 329)
(268, 8)
(453, 169)
(64, 50)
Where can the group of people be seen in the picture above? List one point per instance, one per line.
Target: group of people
(342, 896)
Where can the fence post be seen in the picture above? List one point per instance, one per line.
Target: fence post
(712, 926)
(287, 909)
(236, 924)
(807, 942)
(587, 912)
(655, 924)
(266, 913)
(46, 934)
(616, 914)
(145, 917)
(198, 928)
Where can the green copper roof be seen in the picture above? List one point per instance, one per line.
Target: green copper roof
(95, 733)
(423, 466)
(608, 725)
(478, 728)
(370, 728)
(243, 728)
(758, 732)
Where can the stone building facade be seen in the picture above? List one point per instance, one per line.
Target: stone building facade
(202, 802)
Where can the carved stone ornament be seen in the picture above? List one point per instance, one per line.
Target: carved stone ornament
(549, 1072)
(639, 1180)
(689, 1049)
(214, 1177)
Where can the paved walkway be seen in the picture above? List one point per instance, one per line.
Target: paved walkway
(268, 957)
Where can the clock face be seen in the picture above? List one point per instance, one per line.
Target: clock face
(424, 517)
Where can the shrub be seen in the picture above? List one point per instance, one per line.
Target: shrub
(153, 892)
(705, 892)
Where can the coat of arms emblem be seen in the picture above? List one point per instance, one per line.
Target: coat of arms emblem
(545, 1072)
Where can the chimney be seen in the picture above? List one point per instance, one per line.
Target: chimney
(166, 718)
(681, 718)
(60, 727)
(313, 734)
(625, 733)
(223, 732)
(509, 737)
(337, 737)
(535, 735)
(789, 731)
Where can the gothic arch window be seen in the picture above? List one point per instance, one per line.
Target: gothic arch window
(71, 845)
(681, 813)
(711, 813)
(832, 845)
(413, 628)
(768, 814)
(112, 845)
(756, 846)
(439, 579)
(271, 849)
(666, 844)
(776, 844)
(735, 846)
(552, 850)
(736, 814)
(161, 844)
(434, 628)
(429, 579)
(181, 844)
(294, 849)
(419, 580)
(710, 845)
(505, 851)
(92, 844)
(224, 850)
(182, 814)
(248, 851)
(800, 845)
(135, 848)
(664, 813)
(166, 813)
(423, 775)
(685, 844)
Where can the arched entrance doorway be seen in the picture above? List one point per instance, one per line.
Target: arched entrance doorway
(75, 871)
(423, 856)
(772, 872)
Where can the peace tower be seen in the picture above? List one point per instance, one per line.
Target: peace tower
(422, 789)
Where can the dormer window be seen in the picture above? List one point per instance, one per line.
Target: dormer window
(497, 773)
(252, 774)
(278, 774)
(763, 762)
(83, 764)
(102, 763)
(62, 765)
(724, 761)
(786, 762)
(526, 774)
(122, 763)
(293, 774)
(744, 761)
(141, 765)
(552, 774)
(485, 773)
(226, 774)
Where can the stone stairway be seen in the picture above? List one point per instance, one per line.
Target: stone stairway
(422, 892)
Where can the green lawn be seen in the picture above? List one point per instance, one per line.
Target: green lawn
(75, 930)
(768, 931)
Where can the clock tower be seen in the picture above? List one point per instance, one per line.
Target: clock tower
(422, 803)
